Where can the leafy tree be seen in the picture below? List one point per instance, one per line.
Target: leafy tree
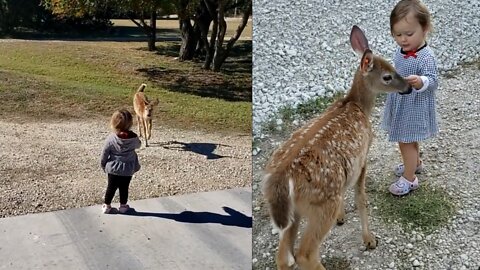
(143, 13)
(195, 40)
(143, 9)
(138, 11)
(3, 16)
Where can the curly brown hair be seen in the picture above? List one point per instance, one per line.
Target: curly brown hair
(122, 120)
(404, 7)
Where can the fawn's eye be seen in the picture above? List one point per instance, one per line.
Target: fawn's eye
(387, 78)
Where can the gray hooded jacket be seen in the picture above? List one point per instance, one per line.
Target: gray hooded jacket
(119, 156)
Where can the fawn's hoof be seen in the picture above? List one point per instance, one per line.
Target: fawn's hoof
(370, 241)
(340, 221)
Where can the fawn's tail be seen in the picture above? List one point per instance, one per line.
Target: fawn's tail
(276, 191)
(141, 87)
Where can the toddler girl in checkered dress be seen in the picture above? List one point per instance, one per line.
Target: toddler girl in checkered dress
(410, 118)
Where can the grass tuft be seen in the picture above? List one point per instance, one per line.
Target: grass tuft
(425, 209)
(337, 263)
(303, 111)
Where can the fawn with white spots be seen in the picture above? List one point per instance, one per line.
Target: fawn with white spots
(308, 175)
(144, 110)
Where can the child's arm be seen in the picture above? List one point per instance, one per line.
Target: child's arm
(104, 156)
(138, 143)
(428, 78)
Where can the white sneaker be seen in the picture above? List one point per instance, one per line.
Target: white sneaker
(123, 208)
(107, 209)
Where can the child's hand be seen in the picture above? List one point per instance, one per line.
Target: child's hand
(415, 81)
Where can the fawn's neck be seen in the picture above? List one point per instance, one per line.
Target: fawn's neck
(361, 93)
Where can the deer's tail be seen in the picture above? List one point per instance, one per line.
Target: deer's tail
(141, 87)
(276, 189)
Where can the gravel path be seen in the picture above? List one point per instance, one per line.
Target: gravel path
(47, 166)
(452, 161)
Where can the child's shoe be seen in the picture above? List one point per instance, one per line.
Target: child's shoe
(123, 208)
(107, 209)
(402, 186)
(400, 169)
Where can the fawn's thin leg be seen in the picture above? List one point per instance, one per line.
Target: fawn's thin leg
(149, 128)
(361, 201)
(145, 132)
(341, 212)
(139, 124)
(285, 259)
(320, 220)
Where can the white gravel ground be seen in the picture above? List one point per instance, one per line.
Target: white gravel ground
(47, 166)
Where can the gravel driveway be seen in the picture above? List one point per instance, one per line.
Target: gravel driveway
(46, 166)
(452, 161)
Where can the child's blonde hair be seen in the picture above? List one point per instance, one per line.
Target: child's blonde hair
(404, 7)
(122, 120)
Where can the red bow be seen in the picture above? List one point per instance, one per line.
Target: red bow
(410, 53)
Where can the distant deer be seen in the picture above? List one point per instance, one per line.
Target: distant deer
(308, 175)
(143, 109)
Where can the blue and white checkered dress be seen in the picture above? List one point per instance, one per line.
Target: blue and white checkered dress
(412, 117)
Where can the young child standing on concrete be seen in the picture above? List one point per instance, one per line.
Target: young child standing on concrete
(411, 118)
(119, 160)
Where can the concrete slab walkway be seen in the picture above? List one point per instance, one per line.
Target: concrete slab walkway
(211, 230)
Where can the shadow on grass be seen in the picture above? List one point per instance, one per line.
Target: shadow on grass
(205, 149)
(115, 33)
(233, 217)
(232, 83)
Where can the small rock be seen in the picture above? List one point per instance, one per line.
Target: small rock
(416, 263)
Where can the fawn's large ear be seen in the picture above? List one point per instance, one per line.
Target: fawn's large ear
(367, 61)
(358, 40)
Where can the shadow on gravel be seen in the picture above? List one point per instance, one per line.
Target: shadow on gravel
(234, 218)
(205, 149)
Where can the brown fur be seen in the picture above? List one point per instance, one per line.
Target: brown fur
(144, 111)
(308, 175)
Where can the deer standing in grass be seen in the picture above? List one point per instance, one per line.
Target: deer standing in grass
(143, 109)
(308, 175)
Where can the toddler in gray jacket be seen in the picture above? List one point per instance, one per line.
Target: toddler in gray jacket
(119, 160)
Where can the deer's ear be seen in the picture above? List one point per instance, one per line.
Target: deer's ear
(367, 61)
(358, 41)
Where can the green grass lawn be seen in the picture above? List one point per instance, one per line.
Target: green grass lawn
(75, 79)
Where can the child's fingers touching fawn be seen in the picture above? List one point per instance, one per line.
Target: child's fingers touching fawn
(414, 81)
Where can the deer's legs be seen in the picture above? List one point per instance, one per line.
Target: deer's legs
(144, 128)
(148, 124)
(139, 125)
(285, 259)
(341, 212)
(320, 220)
(361, 201)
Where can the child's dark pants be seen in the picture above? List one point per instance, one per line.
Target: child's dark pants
(120, 182)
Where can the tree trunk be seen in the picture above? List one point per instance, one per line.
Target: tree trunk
(219, 51)
(187, 49)
(203, 18)
(152, 37)
(189, 42)
(220, 57)
(211, 7)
